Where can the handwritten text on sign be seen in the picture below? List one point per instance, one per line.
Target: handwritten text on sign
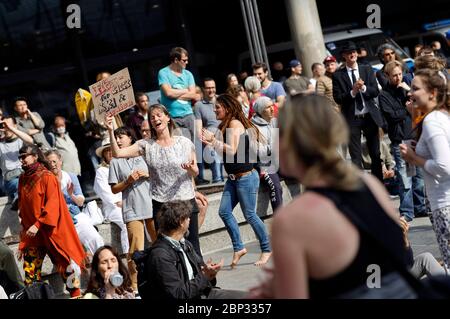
(112, 95)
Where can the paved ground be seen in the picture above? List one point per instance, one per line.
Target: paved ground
(246, 275)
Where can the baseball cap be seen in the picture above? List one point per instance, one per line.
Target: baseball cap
(294, 63)
(329, 58)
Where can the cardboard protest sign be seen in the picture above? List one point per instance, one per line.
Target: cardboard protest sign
(112, 95)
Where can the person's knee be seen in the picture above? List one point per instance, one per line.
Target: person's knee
(6, 254)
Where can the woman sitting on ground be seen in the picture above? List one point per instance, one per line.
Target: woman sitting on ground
(106, 263)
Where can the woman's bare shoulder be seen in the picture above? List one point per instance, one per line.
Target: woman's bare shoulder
(305, 212)
(236, 124)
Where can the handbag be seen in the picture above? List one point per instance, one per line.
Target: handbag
(433, 287)
(94, 212)
(37, 290)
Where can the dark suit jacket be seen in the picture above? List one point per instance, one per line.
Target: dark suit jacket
(342, 86)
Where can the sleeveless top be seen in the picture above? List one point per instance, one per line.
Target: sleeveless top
(356, 273)
(243, 161)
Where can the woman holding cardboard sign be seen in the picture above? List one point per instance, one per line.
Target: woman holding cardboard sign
(171, 161)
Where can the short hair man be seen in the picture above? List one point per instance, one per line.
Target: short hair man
(175, 270)
(139, 115)
(297, 83)
(269, 88)
(145, 130)
(30, 122)
(177, 87)
(355, 88)
(205, 117)
(73, 195)
(66, 147)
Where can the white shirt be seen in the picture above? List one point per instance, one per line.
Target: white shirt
(434, 146)
(103, 189)
(364, 89)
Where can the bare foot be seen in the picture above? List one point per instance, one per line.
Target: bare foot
(263, 259)
(236, 256)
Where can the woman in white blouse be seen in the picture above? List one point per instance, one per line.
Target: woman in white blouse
(171, 161)
(429, 94)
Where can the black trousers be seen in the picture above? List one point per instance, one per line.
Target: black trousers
(193, 224)
(370, 129)
(272, 183)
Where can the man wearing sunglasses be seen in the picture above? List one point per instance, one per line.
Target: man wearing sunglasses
(9, 157)
(177, 88)
(387, 53)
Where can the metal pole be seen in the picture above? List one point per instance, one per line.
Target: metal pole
(261, 36)
(254, 31)
(247, 32)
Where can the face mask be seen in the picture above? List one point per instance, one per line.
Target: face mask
(61, 130)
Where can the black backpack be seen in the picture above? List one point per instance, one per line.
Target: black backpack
(140, 258)
(37, 290)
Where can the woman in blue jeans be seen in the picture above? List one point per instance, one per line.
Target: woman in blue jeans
(238, 135)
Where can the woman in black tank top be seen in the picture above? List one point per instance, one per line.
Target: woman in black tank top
(235, 142)
(318, 251)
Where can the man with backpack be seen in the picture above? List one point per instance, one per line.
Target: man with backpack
(171, 269)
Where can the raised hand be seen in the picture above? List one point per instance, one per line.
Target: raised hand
(109, 123)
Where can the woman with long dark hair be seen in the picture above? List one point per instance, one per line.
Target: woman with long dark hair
(106, 264)
(237, 135)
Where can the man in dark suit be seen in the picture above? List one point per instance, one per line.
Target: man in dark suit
(355, 88)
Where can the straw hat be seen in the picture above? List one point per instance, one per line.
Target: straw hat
(105, 144)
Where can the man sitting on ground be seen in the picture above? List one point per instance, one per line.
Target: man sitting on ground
(175, 270)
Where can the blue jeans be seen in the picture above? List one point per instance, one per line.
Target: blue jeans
(245, 192)
(11, 188)
(411, 189)
(404, 183)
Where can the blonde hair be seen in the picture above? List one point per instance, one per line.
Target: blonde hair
(314, 131)
(390, 66)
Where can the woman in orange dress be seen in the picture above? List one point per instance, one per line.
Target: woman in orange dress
(47, 227)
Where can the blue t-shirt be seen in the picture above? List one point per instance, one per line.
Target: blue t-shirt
(274, 90)
(176, 108)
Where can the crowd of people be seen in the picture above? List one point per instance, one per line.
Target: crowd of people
(260, 132)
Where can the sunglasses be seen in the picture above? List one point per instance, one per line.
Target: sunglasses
(23, 156)
(184, 60)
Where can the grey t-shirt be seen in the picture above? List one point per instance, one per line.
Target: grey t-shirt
(27, 124)
(204, 110)
(137, 199)
(295, 86)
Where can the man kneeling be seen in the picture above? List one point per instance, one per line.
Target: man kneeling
(175, 270)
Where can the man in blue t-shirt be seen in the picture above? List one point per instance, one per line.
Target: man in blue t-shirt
(271, 89)
(177, 88)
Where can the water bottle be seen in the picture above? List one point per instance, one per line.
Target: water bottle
(116, 279)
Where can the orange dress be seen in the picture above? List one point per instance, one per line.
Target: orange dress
(42, 203)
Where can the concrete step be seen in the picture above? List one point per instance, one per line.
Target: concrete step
(213, 235)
